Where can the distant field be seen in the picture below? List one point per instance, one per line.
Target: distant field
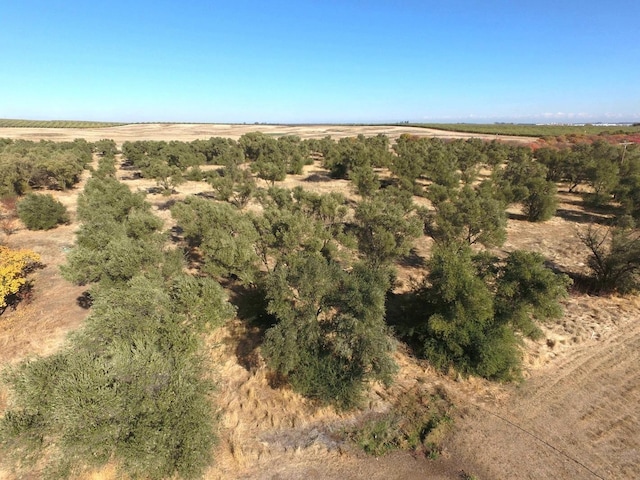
(188, 132)
(530, 130)
(12, 123)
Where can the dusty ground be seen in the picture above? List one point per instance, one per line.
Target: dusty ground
(575, 416)
(190, 132)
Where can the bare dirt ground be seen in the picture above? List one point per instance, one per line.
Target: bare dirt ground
(190, 132)
(574, 416)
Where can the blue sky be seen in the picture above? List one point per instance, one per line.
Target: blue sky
(321, 61)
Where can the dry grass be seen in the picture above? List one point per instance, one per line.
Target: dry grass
(190, 132)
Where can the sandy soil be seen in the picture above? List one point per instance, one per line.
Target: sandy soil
(190, 132)
(575, 415)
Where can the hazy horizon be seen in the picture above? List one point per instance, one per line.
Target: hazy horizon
(352, 61)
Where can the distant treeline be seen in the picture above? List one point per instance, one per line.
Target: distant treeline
(527, 130)
(13, 123)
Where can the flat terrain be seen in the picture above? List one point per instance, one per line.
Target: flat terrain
(575, 416)
(190, 132)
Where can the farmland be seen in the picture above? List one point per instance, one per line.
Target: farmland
(571, 416)
(528, 130)
(11, 123)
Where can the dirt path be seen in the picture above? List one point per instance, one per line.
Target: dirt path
(576, 418)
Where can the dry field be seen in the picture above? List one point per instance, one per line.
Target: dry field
(575, 416)
(190, 132)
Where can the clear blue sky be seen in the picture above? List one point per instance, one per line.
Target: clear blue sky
(320, 61)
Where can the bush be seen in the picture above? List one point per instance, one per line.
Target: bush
(330, 336)
(541, 201)
(417, 421)
(476, 308)
(130, 387)
(14, 267)
(615, 259)
(41, 212)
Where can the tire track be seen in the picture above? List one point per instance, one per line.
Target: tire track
(583, 406)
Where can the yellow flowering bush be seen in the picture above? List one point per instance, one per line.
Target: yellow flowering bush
(14, 265)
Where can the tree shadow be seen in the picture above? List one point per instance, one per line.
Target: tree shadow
(161, 191)
(403, 314)
(582, 284)
(412, 260)
(251, 309)
(318, 176)
(176, 234)
(517, 216)
(85, 300)
(136, 175)
(583, 217)
(209, 195)
(167, 205)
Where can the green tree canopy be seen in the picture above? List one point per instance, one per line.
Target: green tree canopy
(330, 335)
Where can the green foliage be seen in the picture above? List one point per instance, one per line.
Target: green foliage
(351, 153)
(427, 158)
(161, 160)
(219, 151)
(224, 236)
(470, 154)
(459, 309)
(105, 148)
(541, 200)
(233, 184)
(272, 159)
(473, 308)
(201, 300)
(119, 237)
(166, 176)
(417, 422)
(41, 212)
(54, 165)
(603, 169)
(614, 259)
(528, 130)
(131, 387)
(366, 180)
(272, 169)
(330, 335)
(527, 292)
(524, 180)
(469, 214)
(107, 197)
(627, 192)
(106, 168)
(128, 387)
(116, 261)
(386, 228)
(409, 162)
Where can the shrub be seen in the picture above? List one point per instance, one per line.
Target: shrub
(130, 387)
(14, 266)
(540, 202)
(615, 259)
(41, 212)
(417, 421)
(330, 336)
(224, 235)
(475, 308)
(386, 228)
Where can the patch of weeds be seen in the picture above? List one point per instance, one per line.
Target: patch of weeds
(418, 421)
(467, 476)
